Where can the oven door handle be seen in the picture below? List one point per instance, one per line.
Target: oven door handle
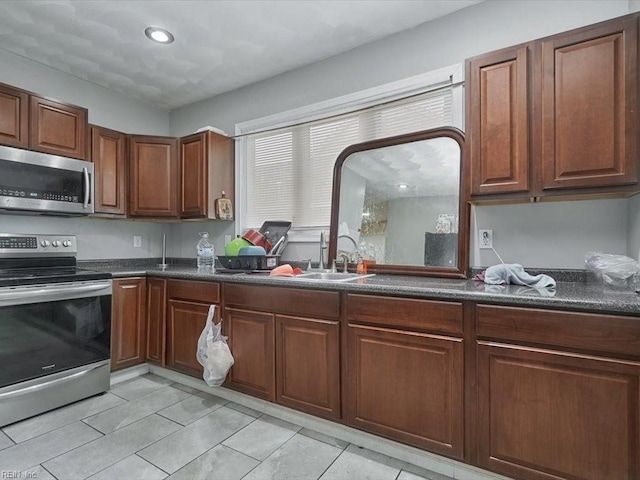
(49, 384)
(87, 187)
(53, 293)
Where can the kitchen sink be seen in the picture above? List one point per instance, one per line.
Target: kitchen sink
(332, 276)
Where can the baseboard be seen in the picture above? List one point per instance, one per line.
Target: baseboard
(405, 453)
(129, 373)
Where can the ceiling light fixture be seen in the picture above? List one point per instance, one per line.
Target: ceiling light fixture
(159, 35)
(403, 186)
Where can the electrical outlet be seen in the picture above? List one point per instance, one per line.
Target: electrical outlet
(137, 241)
(227, 239)
(485, 238)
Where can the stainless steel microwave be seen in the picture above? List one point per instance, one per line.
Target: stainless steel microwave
(33, 182)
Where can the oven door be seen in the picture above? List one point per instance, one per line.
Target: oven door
(50, 328)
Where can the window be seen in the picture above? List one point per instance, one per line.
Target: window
(289, 170)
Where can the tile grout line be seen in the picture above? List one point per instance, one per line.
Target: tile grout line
(181, 427)
(334, 461)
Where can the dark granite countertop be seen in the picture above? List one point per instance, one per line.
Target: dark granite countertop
(581, 296)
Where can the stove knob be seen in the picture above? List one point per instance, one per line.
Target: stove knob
(45, 243)
(66, 243)
(55, 243)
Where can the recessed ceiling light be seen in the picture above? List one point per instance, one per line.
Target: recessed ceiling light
(403, 186)
(159, 35)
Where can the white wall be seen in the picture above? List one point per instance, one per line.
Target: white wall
(409, 220)
(633, 227)
(484, 27)
(478, 29)
(106, 108)
(552, 234)
(97, 238)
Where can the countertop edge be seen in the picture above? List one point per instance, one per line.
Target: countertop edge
(573, 296)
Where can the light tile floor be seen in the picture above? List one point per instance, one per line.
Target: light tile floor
(149, 428)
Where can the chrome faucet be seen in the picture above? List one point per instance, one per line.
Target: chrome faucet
(355, 244)
(323, 247)
(345, 261)
(352, 256)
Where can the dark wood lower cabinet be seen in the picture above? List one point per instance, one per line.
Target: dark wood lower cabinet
(549, 415)
(156, 320)
(407, 386)
(185, 322)
(187, 309)
(128, 322)
(308, 365)
(252, 343)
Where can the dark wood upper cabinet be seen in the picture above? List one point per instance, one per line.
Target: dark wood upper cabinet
(153, 176)
(207, 170)
(14, 117)
(589, 106)
(498, 121)
(128, 332)
(108, 153)
(156, 320)
(556, 116)
(57, 128)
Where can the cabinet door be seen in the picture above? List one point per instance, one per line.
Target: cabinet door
(308, 365)
(193, 174)
(186, 320)
(128, 322)
(153, 177)
(252, 343)
(498, 121)
(406, 386)
(589, 107)
(156, 320)
(57, 128)
(549, 415)
(108, 155)
(14, 117)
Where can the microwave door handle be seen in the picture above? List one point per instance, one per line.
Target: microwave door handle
(87, 186)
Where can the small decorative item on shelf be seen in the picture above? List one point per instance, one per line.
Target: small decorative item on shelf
(223, 208)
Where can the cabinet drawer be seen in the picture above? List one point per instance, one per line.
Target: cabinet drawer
(207, 292)
(587, 331)
(410, 313)
(291, 301)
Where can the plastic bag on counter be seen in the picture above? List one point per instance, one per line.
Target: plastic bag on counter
(615, 270)
(213, 352)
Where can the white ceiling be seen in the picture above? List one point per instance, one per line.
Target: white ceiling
(220, 45)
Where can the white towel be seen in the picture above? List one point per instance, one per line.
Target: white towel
(514, 273)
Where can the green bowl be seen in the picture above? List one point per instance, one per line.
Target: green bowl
(233, 247)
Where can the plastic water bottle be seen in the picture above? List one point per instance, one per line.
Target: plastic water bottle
(205, 251)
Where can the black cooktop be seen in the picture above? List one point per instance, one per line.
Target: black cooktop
(13, 277)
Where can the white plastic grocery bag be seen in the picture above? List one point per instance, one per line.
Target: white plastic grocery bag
(213, 352)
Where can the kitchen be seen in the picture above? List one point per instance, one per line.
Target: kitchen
(543, 235)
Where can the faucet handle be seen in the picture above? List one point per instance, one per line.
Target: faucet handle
(308, 260)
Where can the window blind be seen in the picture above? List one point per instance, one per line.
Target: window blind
(290, 170)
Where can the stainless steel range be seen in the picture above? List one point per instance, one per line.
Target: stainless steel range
(55, 326)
